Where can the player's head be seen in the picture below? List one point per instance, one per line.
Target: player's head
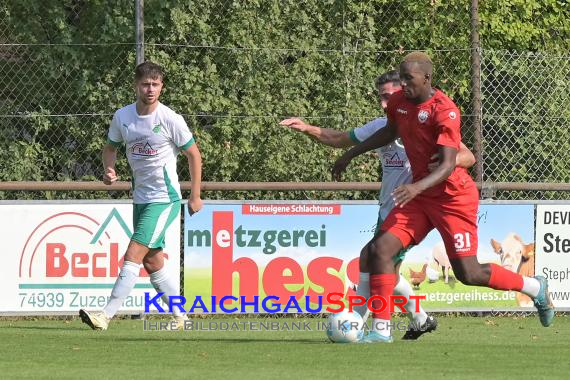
(415, 75)
(148, 82)
(386, 84)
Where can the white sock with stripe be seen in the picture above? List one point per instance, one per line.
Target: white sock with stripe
(122, 288)
(164, 283)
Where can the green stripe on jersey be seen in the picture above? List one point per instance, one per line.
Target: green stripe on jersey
(172, 193)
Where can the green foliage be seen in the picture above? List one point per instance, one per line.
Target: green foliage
(235, 68)
(526, 25)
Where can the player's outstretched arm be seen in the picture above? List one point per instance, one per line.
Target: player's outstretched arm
(195, 165)
(326, 136)
(109, 157)
(380, 138)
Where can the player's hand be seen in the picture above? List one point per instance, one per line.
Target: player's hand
(340, 166)
(195, 204)
(405, 193)
(433, 162)
(295, 123)
(110, 176)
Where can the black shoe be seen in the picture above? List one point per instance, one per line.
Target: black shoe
(414, 332)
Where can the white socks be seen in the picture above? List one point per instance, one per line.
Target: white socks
(122, 288)
(363, 289)
(126, 281)
(531, 286)
(402, 288)
(164, 283)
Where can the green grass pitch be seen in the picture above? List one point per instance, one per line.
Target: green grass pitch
(462, 347)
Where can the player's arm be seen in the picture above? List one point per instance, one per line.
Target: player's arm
(194, 157)
(326, 136)
(464, 159)
(405, 193)
(109, 158)
(447, 162)
(380, 138)
(114, 141)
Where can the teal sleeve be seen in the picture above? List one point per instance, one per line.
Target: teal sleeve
(353, 137)
(114, 143)
(188, 144)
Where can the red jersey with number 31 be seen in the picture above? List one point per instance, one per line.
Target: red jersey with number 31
(422, 127)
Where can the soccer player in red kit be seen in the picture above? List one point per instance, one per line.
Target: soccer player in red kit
(428, 123)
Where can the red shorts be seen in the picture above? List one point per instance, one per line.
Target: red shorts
(455, 217)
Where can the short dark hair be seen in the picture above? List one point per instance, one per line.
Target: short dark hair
(392, 76)
(149, 70)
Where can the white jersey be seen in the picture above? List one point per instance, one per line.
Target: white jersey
(152, 145)
(396, 169)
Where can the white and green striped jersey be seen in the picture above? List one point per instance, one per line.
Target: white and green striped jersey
(396, 169)
(152, 145)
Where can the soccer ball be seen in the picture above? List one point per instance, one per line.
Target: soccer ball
(345, 327)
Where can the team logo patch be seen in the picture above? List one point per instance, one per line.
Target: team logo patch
(423, 116)
(452, 115)
(156, 128)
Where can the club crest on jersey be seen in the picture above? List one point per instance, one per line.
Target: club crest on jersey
(423, 116)
(452, 115)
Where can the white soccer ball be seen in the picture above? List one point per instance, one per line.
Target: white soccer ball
(345, 327)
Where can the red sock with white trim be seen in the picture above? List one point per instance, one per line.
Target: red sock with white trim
(504, 279)
(382, 285)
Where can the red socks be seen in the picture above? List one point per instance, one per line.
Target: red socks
(382, 285)
(504, 279)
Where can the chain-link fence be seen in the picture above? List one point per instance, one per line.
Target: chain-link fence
(526, 120)
(234, 69)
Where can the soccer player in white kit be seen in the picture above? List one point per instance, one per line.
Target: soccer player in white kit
(153, 135)
(396, 171)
